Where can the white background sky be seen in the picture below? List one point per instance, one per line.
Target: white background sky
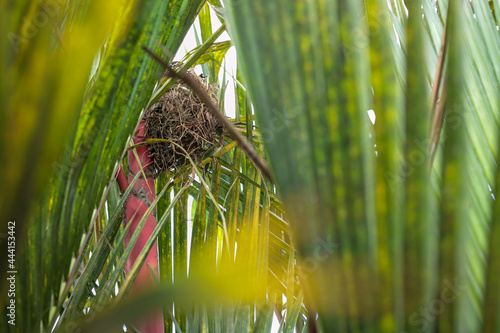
(229, 61)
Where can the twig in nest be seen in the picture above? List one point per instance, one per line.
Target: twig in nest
(202, 95)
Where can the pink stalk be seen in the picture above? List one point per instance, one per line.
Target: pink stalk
(140, 198)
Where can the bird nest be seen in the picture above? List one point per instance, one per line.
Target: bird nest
(183, 120)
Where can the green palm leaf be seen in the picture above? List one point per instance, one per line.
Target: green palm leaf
(378, 207)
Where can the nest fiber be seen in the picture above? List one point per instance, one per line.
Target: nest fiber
(181, 118)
